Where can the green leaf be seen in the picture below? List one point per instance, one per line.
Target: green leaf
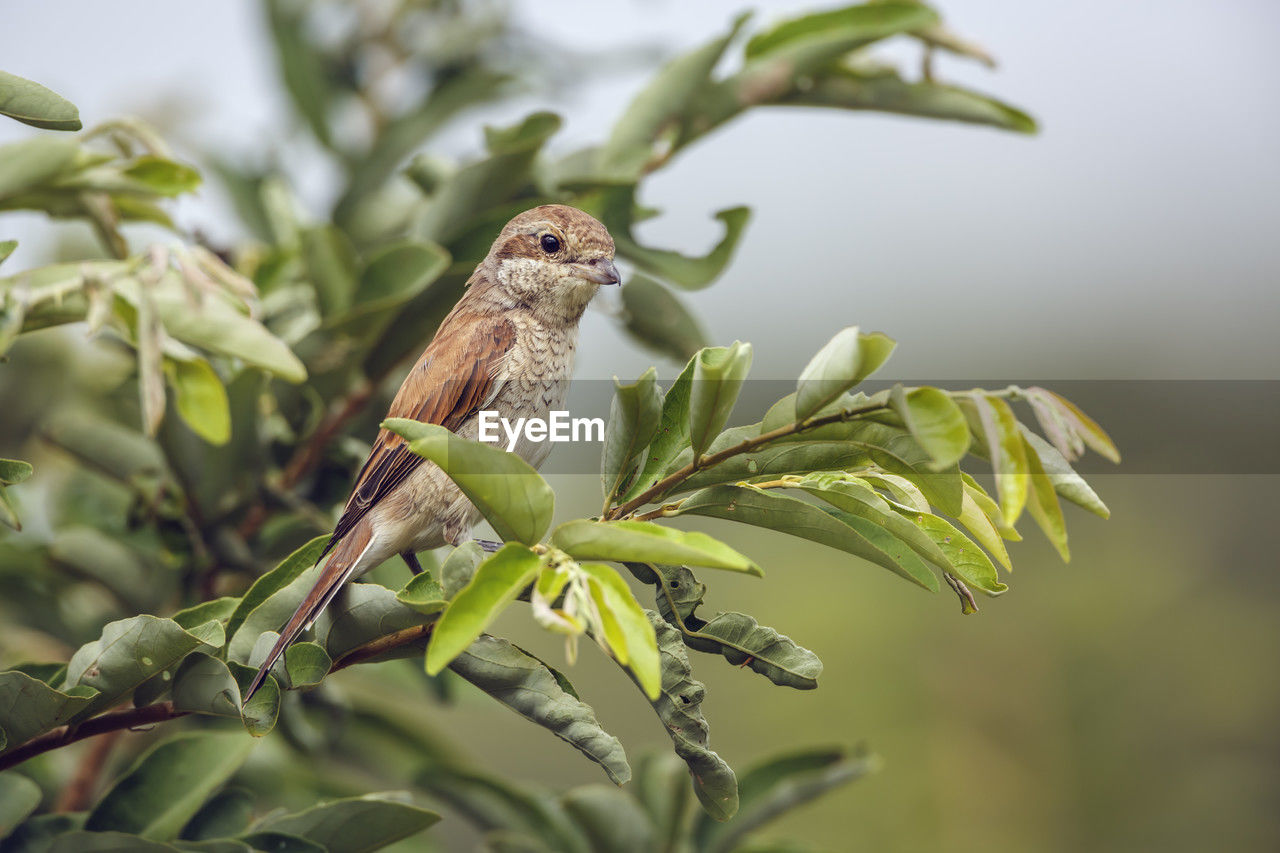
(395, 275)
(822, 36)
(672, 436)
(527, 686)
(303, 67)
(969, 562)
(460, 566)
(6, 249)
(884, 90)
(739, 638)
(658, 320)
(307, 664)
(356, 824)
(633, 422)
(935, 421)
(832, 528)
(424, 594)
(842, 363)
(205, 685)
(128, 653)
(777, 786)
(978, 522)
(167, 785)
(680, 708)
(639, 649)
(275, 580)
(1066, 482)
(1043, 502)
(19, 797)
(496, 584)
(201, 399)
(219, 609)
(645, 542)
(33, 104)
(260, 713)
(999, 428)
(718, 375)
(507, 491)
(29, 707)
(662, 105)
(661, 787)
(37, 834)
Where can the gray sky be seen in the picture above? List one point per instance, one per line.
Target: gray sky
(1135, 237)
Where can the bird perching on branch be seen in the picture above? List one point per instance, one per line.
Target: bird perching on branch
(507, 346)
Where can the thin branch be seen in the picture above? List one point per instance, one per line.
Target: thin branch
(672, 480)
(147, 715)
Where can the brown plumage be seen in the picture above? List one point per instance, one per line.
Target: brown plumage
(506, 346)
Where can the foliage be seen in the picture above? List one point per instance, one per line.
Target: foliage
(211, 427)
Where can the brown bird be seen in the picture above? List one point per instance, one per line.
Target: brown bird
(507, 346)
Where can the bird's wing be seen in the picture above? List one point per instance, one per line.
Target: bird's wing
(452, 380)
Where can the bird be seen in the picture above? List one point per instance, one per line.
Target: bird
(507, 346)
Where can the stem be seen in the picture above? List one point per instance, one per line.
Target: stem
(130, 718)
(674, 479)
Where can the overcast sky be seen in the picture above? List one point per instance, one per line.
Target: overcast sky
(1135, 237)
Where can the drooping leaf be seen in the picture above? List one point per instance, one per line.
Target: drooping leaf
(842, 363)
(1042, 500)
(524, 684)
(509, 493)
(1066, 482)
(260, 713)
(979, 523)
(633, 421)
(818, 37)
(680, 708)
(497, 582)
(167, 785)
(356, 824)
(638, 645)
(739, 638)
(1080, 424)
(999, 428)
(718, 375)
(935, 421)
(662, 788)
(830, 527)
(645, 542)
(460, 566)
(33, 104)
(224, 815)
(967, 561)
(611, 819)
(658, 320)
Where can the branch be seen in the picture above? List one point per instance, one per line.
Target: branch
(147, 715)
(672, 480)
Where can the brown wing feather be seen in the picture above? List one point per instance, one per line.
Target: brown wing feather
(450, 382)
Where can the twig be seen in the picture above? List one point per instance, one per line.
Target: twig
(745, 446)
(128, 718)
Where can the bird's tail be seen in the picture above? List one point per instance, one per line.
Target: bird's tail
(346, 557)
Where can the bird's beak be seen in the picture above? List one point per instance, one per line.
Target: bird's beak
(601, 271)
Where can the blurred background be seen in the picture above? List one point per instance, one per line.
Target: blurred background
(1125, 701)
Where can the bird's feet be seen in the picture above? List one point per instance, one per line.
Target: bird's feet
(488, 545)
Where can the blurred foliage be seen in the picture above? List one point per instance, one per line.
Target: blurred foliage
(191, 454)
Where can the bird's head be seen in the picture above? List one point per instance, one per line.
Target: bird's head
(553, 259)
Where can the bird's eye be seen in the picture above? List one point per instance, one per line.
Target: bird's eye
(550, 244)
